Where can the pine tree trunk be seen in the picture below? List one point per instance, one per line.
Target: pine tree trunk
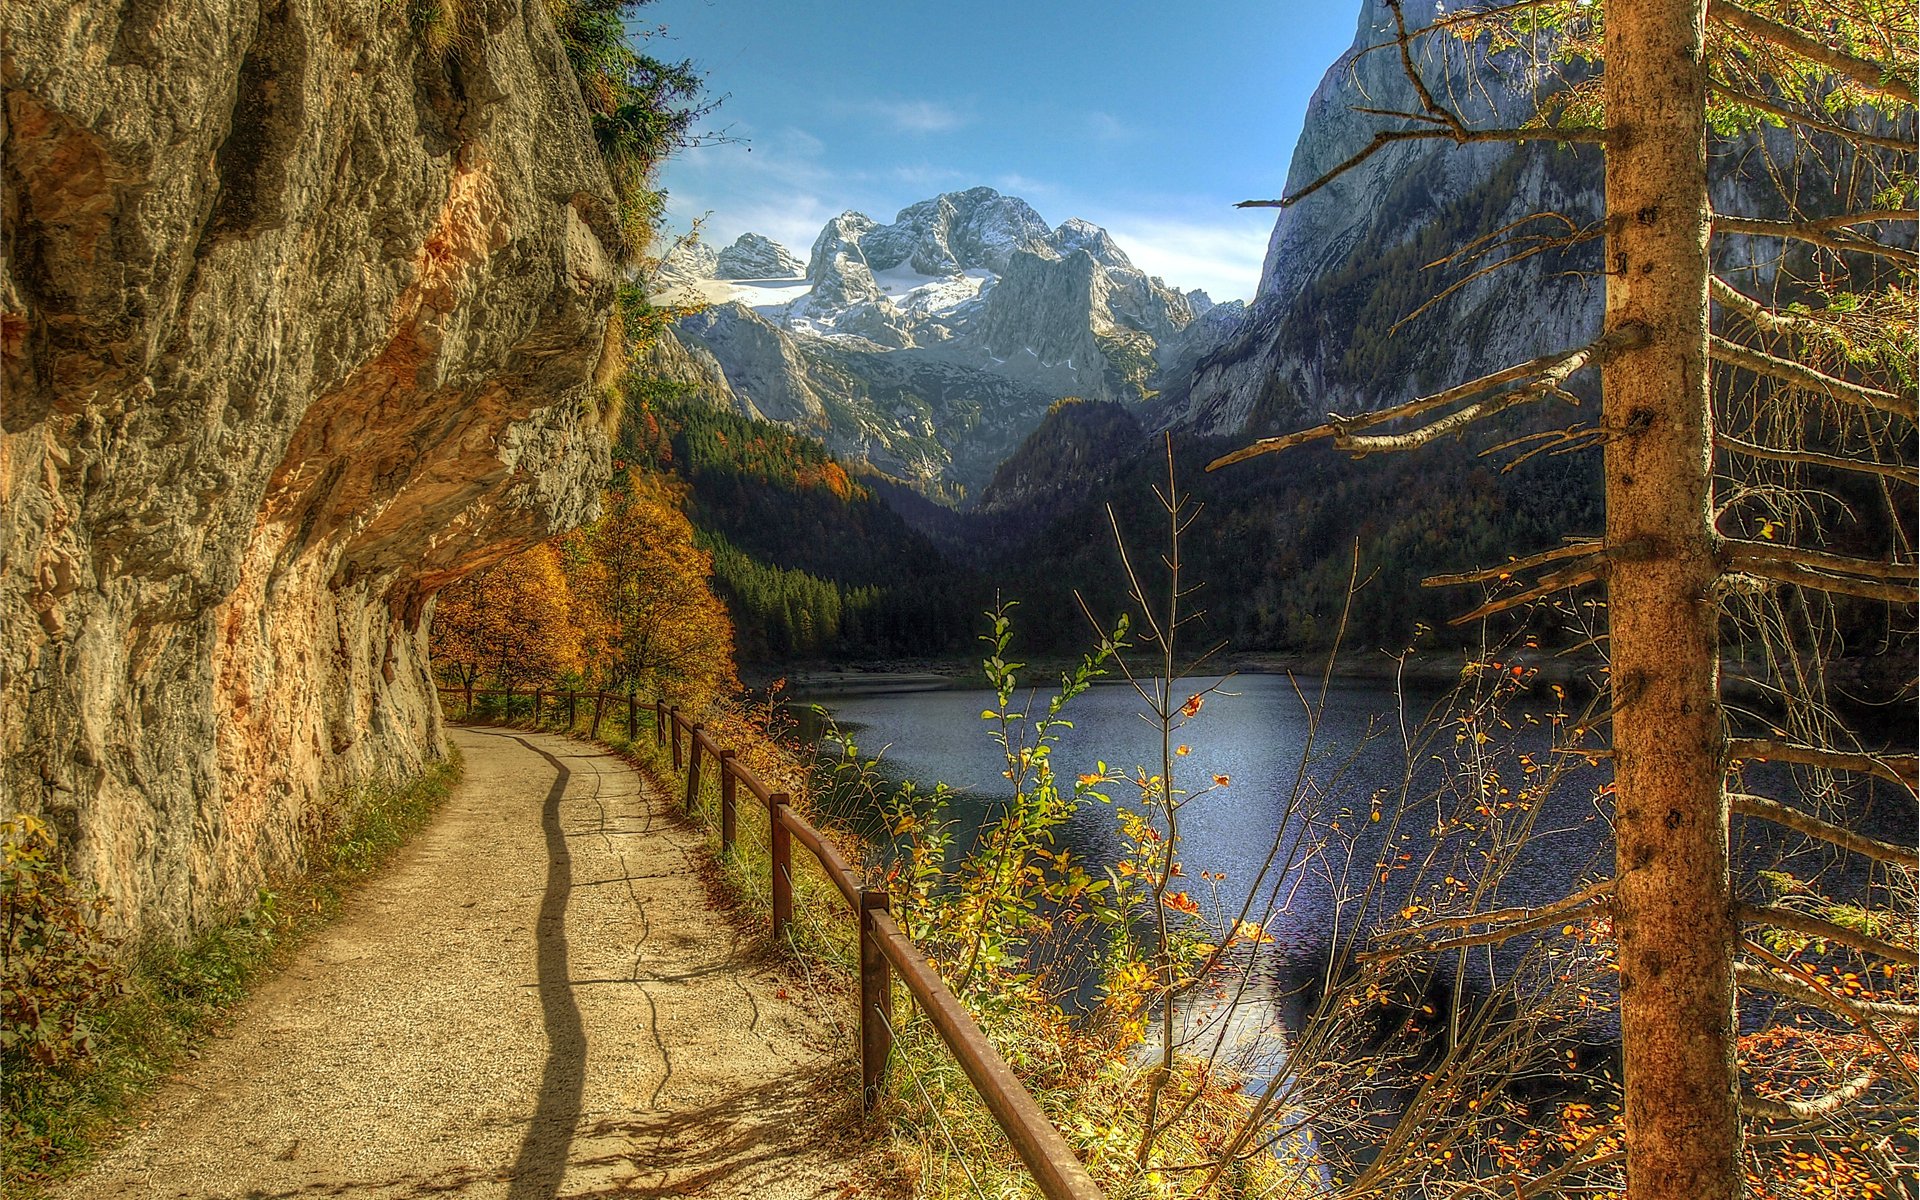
(1673, 910)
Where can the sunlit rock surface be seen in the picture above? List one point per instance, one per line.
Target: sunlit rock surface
(300, 323)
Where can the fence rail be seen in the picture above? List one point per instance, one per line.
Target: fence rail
(884, 948)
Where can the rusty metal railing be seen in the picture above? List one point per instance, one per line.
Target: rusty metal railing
(884, 950)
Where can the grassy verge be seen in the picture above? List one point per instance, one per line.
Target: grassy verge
(162, 999)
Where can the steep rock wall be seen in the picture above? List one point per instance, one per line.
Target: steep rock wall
(300, 322)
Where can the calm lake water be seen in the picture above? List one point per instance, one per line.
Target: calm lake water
(1255, 732)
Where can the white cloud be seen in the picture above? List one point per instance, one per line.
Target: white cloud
(913, 116)
(1223, 256)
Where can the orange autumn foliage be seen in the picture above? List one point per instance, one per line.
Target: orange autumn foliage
(646, 610)
(512, 622)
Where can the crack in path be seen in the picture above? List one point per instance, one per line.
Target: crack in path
(478, 1024)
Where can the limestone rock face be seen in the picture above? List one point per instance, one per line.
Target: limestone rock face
(301, 323)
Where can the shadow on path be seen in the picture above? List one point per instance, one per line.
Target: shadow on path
(542, 1161)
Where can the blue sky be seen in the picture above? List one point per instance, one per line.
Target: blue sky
(1151, 119)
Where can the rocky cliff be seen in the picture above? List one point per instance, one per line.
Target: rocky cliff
(301, 321)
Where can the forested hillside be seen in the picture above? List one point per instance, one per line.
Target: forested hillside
(812, 563)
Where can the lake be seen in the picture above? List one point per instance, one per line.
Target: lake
(1254, 730)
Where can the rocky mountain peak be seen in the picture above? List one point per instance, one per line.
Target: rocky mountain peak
(1077, 234)
(837, 266)
(755, 257)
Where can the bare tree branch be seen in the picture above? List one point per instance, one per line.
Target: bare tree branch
(1578, 549)
(1799, 922)
(1779, 570)
(1813, 458)
(1742, 553)
(1818, 233)
(1774, 108)
(1504, 916)
(1387, 137)
(1839, 835)
(1873, 76)
(1760, 316)
(1894, 768)
(1556, 367)
(1559, 581)
(1807, 1110)
(1736, 355)
(1762, 979)
(1545, 917)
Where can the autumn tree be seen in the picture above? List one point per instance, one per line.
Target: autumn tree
(648, 615)
(512, 622)
(1728, 447)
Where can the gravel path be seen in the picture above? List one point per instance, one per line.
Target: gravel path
(534, 1000)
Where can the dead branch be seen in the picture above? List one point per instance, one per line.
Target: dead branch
(1807, 1110)
(1760, 978)
(1813, 458)
(1486, 937)
(1453, 422)
(1558, 365)
(1506, 915)
(1761, 317)
(1736, 355)
(1550, 442)
(1578, 549)
(1580, 133)
(1782, 571)
(1816, 233)
(1870, 75)
(1774, 108)
(1894, 768)
(1815, 927)
(1800, 822)
(1741, 553)
(1559, 581)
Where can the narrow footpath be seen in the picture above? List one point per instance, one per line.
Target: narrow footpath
(534, 1000)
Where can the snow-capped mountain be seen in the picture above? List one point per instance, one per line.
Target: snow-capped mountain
(930, 345)
(754, 257)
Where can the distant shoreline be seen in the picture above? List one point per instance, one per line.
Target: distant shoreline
(927, 675)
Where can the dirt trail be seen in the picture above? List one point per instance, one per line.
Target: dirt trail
(533, 1001)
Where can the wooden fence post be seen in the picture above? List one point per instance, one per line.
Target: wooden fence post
(727, 786)
(876, 1002)
(633, 717)
(599, 704)
(693, 768)
(780, 843)
(673, 727)
(539, 699)
(659, 721)
(468, 715)
(572, 696)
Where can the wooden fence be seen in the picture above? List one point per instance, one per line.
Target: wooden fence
(884, 949)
